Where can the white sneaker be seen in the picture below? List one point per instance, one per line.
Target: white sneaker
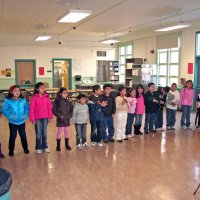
(86, 145)
(168, 128)
(173, 128)
(189, 128)
(38, 151)
(93, 144)
(100, 144)
(79, 146)
(183, 127)
(46, 150)
(130, 135)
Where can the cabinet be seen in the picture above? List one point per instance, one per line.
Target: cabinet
(114, 71)
(133, 71)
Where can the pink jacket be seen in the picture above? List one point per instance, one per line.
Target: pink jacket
(40, 107)
(186, 97)
(140, 105)
(131, 105)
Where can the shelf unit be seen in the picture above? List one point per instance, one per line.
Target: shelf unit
(133, 72)
(114, 71)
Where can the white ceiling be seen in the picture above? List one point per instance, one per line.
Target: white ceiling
(22, 20)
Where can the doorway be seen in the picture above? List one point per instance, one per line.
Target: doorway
(62, 73)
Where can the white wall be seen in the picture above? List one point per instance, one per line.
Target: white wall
(84, 59)
(143, 47)
(187, 52)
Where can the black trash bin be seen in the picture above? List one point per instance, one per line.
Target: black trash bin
(5, 184)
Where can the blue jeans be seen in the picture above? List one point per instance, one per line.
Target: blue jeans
(129, 123)
(80, 133)
(108, 124)
(149, 121)
(96, 131)
(41, 133)
(159, 119)
(185, 118)
(171, 117)
(138, 119)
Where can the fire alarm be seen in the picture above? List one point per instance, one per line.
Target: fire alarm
(152, 51)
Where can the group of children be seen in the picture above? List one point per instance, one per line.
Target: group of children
(128, 107)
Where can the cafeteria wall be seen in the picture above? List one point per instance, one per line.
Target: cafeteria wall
(83, 61)
(142, 48)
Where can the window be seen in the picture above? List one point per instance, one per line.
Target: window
(125, 51)
(168, 66)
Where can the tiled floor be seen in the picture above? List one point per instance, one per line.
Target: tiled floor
(161, 166)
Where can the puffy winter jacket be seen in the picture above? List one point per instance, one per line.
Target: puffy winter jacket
(16, 110)
(40, 107)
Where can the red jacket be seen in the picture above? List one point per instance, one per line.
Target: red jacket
(40, 107)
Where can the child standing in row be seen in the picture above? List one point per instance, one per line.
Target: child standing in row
(172, 102)
(95, 105)
(15, 108)
(186, 101)
(109, 111)
(162, 94)
(80, 118)
(197, 120)
(151, 108)
(131, 112)
(139, 109)
(40, 114)
(1, 154)
(62, 109)
(121, 114)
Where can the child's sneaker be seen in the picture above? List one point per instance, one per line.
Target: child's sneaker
(93, 144)
(189, 128)
(99, 144)
(173, 128)
(38, 151)
(183, 127)
(79, 146)
(46, 150)
(168, 128)
(130, 135)
(86, 145)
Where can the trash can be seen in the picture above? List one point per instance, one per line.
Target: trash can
(5, 184)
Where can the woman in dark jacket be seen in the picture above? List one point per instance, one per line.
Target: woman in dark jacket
(62, 109)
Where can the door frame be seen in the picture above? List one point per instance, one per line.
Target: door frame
(16, 71)
(70, 70)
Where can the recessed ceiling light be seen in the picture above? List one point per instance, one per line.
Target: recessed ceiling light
(174, 27)
(75, 15)
(42, 37)
(109, 41)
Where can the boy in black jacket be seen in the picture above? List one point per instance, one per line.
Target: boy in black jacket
(109, 111)
(151, 101)
(162, 95)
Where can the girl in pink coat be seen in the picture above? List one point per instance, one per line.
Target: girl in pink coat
(40, 113)
(186, 102)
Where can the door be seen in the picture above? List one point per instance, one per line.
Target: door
(25, 72)
(102, 71)
(62, 73)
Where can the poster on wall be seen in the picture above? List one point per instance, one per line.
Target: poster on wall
(8, 72)
(41, 71)
(190, 68)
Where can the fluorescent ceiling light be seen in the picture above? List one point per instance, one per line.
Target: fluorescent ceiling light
(75, 15)
(109, 41)
(42, 37)
(174, 27)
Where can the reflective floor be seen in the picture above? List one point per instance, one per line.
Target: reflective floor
(161, 166)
